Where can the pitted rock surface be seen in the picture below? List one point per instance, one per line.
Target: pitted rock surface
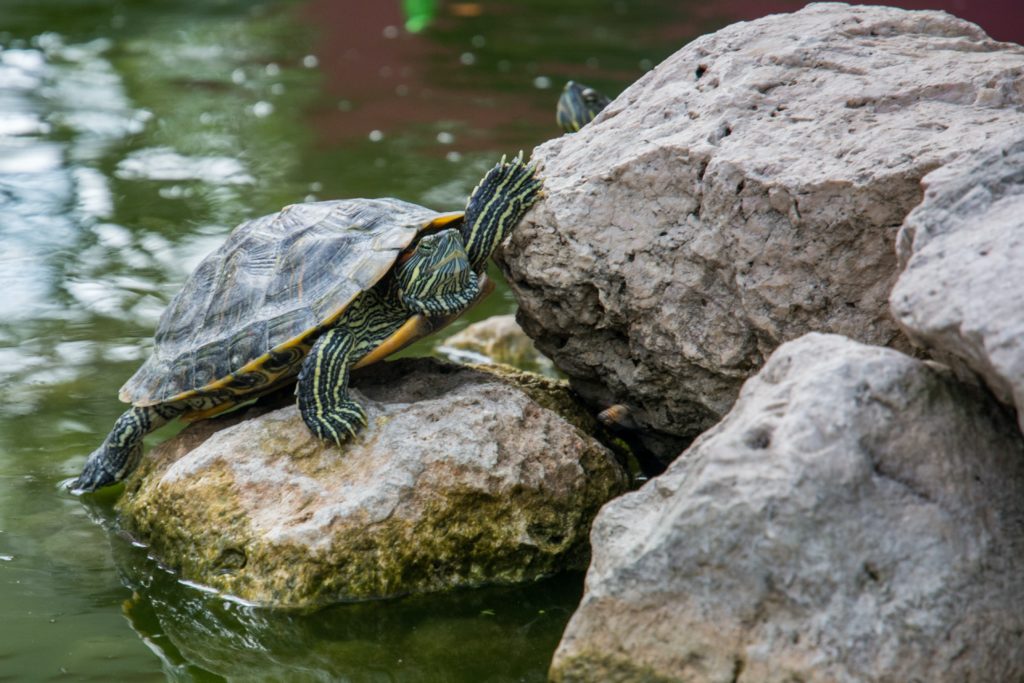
(462, 478)
(857, 517)
(746, 191)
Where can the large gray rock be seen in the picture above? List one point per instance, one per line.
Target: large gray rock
(462, 478)
(857, 517)
(961, 293)
(746, 191)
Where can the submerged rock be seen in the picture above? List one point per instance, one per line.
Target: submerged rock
(961, 293)
(462, 478)
(857, 516)
(746, 191)
(497, 339)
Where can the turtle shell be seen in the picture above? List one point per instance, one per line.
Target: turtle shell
(277, 281)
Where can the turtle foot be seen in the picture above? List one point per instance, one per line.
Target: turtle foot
(338, 425)
(104, 467)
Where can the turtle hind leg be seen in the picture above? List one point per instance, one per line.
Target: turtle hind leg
(322, 390)
(121, 451)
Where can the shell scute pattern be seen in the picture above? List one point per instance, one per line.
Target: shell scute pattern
(276, 280)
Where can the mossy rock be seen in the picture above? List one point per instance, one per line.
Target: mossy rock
(464, 477)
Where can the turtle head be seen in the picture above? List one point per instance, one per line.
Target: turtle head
(578, 106)
(496, 207)
(439, 252)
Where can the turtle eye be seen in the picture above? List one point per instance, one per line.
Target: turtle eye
(589, 94)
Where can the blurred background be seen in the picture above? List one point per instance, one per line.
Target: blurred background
(134, 134)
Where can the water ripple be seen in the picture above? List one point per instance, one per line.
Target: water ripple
(162, 163)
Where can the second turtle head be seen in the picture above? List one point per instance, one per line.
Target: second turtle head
(578, 106)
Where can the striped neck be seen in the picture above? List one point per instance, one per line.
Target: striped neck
(496, 207)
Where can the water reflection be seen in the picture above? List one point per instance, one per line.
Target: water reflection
(64, 108)
(161, 163)
(497, 634)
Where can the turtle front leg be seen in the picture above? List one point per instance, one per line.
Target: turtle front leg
(322, 390)
(121, 451)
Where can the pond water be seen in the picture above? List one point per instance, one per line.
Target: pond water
(133, 136)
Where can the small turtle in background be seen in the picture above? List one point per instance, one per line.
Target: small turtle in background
(578, 106)
(312, 291)
(621, 424)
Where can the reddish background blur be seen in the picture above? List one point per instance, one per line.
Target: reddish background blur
(1001, 19)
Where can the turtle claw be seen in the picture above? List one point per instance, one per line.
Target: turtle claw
(91, 479)
(104, 468)
(339, 425)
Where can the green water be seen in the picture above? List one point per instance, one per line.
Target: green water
(133, 136)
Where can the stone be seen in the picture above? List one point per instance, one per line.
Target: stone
(961, 292)
(746, 191)
(497, 339)
(857, 517)
(462, 478)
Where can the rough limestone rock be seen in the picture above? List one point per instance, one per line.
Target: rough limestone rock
(497, 339)
(857, 517)
(462, 478)
(961, 293)
(746, 191)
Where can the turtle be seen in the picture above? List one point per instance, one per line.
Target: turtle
(621, 424)
(310, 293)
(578, 106)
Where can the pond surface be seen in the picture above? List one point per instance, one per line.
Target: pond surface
(133, 136)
